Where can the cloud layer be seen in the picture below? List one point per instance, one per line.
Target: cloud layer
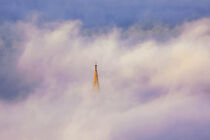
(151, 88)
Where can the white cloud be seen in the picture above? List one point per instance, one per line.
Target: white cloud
(149, 89)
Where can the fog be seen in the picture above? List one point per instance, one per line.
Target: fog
(154, 83)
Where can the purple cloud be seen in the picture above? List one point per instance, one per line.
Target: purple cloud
(150, 89)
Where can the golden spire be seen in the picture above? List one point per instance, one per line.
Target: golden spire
(95, 80)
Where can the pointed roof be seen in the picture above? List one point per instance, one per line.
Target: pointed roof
(95, 80)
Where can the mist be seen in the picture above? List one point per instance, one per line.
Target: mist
(150, 88)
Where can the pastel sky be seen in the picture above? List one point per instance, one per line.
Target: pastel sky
(108, 12)
(153, 61)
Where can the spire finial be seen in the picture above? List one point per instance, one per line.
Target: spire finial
(96, 66)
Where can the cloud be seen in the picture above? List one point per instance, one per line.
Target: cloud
(150, 88)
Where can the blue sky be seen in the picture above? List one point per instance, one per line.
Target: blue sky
(107, 12)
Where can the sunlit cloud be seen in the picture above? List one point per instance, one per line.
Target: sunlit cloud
(149, 88)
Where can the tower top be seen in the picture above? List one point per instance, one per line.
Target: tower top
(95, 79)
(96, 66)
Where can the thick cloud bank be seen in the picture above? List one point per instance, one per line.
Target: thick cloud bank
(151, 88)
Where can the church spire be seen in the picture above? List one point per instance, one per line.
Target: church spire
(95, 79)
